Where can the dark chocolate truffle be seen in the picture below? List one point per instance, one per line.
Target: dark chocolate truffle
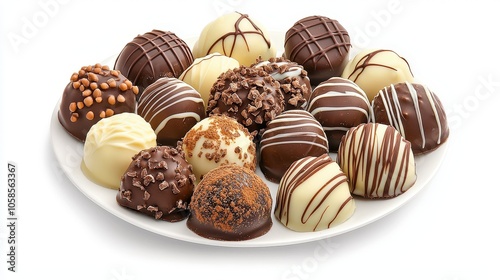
(230, 203)
(321, 45)
(339, 104)
(159, 183)
(289, 137)
(249, 95)
(416, 112)
(293, 79)
(153, 55)
(93, 93)
(172, 107)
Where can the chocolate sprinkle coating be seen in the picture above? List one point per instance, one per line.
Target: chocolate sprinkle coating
(249, 95)
(153, 55)
(230, 203)
(294, 81)
(93, 93)
(320, 44)
(159, 183)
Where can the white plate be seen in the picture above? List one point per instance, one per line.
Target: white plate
(69, 153)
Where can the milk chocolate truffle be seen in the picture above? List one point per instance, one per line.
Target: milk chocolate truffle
(377, 160)
(294, 81)
(153, 55)
(249, 95)
(93, 93)
(372, 70)
(291, 136)
(339, 104)
(204, 71)
(172, 107)
(159, 183)
(416, 112)
(218, 140)
(110, 145)
(321, 45)
(235, 35)
(313, 195)
(231, 203)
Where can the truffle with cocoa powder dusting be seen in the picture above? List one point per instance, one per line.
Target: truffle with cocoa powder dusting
(249, 95)
(231, 203)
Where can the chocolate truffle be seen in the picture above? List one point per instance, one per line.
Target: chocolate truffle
(218, 140)
(416, 112)
(172, 107)
(204, 71)
(313, 195)
(249, 95)
(320, 44)
(159, 183)
(377, 160)
(372, 70)
(110, 145)
(293, 79)
(339, 104)
(93, 93)
(235, 35)
(289, 137)
(231, 203)
(153, 55)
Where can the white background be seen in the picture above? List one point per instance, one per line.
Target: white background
(449, 231)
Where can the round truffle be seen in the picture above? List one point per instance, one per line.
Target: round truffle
(293, 79)
(231, 203)
(93, 93)
(153, 55)
(291, 136)
(416, 112)
(372, 70)
(204, 71)
(377, 160)
(218, 140)
(172, 107)
(110, 145)
(313, 195)
(321, 45)
(235, 35)
(159, 183)
(249, 95)
(339, 104)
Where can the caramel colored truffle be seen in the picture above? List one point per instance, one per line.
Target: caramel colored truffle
(159, 183)
(93, 93)
(377, 160)
(416, 112)
(231, 203)
(372, 70)
(313, 195)
(172, 107)
(235, 35)
(218, 140)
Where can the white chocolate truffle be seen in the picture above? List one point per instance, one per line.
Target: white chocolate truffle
(204, 71)
(372, 70)
(218, 140)
(377, 160)
(110, 145)
(237, 36)
(313, 195)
